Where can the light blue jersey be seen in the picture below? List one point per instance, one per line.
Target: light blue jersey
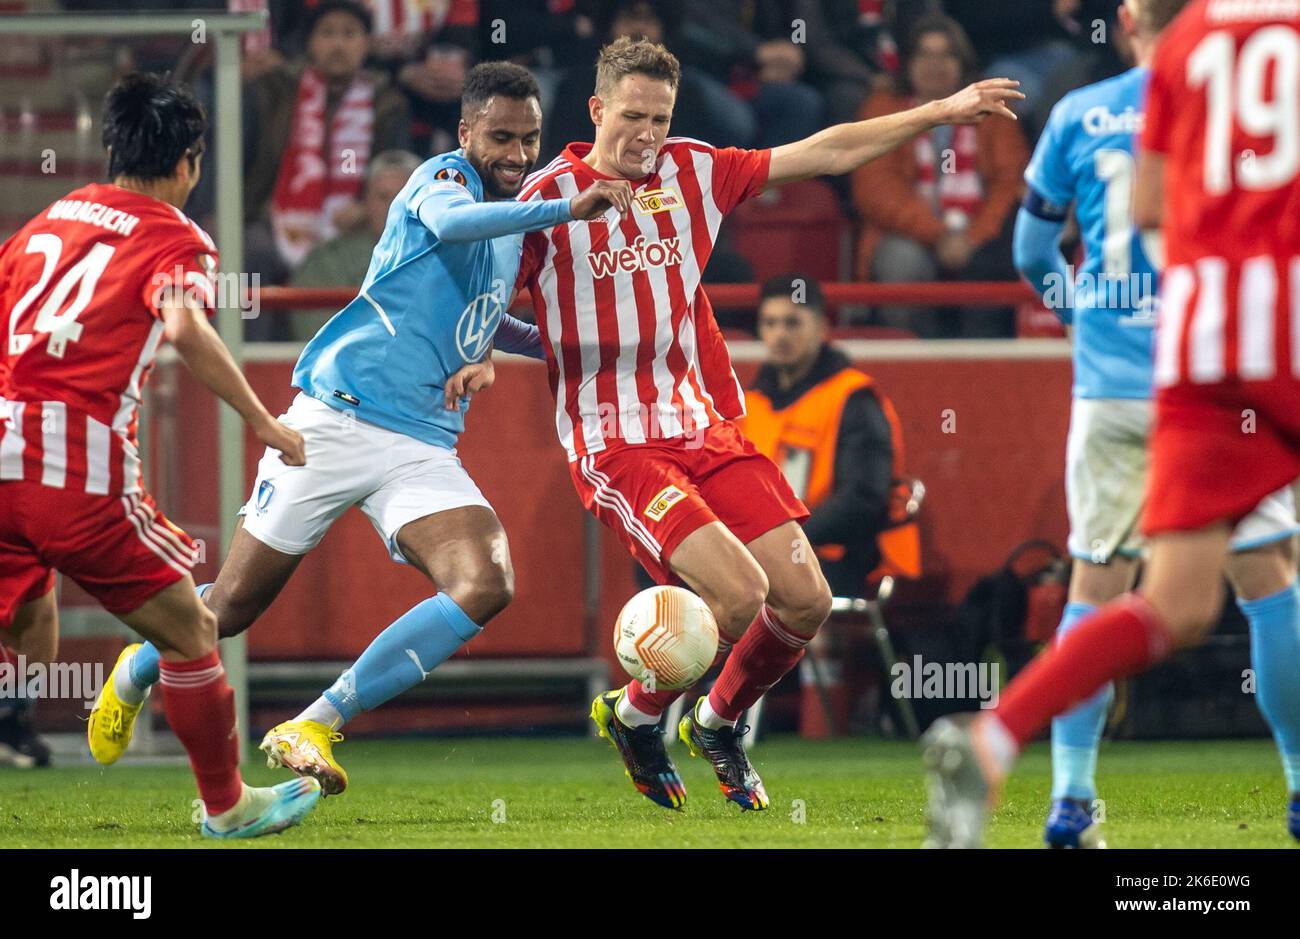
(436, 292)
(1086, 157)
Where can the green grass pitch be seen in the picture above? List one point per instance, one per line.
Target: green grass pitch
(571, 792)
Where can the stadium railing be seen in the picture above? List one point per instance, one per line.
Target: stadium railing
(739, 296)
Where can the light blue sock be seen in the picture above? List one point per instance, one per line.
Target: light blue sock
(143, 667)
(402, 655)
(1076, 735)
(1275, 656)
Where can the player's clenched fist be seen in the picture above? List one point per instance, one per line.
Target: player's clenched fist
(595, 200)
(277, 436)
(975, 102)
(469, 380)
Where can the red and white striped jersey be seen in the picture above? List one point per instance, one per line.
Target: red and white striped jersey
(632, 347)
(80, 286)
(1223, 107)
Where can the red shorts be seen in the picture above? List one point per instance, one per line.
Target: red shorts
(655, 494)
(119, 549)
(1217, 450)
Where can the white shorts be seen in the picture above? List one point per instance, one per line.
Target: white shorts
(1105, 484)
(394, 478)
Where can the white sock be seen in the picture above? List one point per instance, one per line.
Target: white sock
(322, 712)
(998, 742)
(710, 718)
(632, 716)
(234, 815)
(126, 689)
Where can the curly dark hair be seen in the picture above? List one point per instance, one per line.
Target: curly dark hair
(489, 79)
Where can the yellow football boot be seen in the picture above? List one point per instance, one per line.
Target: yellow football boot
(306, 748)
(112, 720)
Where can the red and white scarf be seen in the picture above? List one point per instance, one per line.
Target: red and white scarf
(958, 188)
(871, 15)
(312, 183)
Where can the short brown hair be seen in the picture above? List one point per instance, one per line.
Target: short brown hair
(1154, 15)
(625, 56)
(958, 41)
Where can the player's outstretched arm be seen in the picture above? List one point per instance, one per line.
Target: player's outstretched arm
(843, 148)
(453, 216)
(187, 328)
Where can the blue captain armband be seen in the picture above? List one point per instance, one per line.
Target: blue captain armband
(1036, 204)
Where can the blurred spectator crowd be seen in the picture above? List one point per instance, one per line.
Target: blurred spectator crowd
(379, 81)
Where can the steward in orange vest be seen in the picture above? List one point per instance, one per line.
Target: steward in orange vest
(837, 438)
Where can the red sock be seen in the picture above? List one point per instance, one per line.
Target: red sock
(655, 703)
(1120, 639)
(766, 652)
(200, 708)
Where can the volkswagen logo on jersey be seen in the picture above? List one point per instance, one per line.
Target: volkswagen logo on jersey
(478, 324)
(265, 490)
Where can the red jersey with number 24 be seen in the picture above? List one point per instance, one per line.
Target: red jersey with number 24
(80, 287)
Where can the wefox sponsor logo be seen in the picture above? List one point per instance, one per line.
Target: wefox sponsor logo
(638, 256)
(103, 892)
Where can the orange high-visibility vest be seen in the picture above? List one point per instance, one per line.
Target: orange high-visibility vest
(801, 439)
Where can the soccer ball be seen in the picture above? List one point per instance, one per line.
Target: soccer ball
(666, 638)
